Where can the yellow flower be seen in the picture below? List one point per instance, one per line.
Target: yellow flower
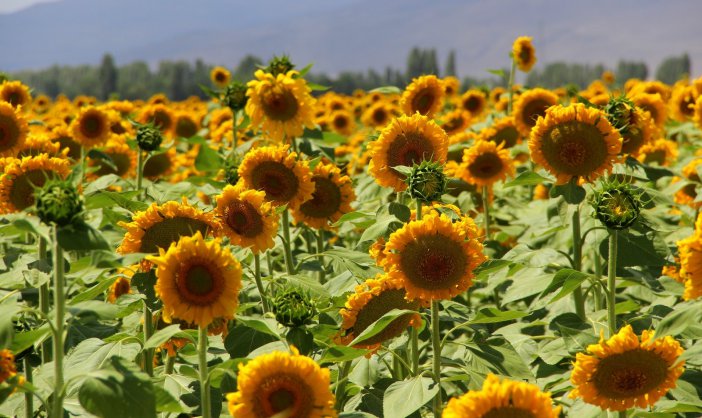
(625, 371)
(661, 151)
(405, 141)
(424, 95)
(502, 132)
(282, 384)
(690, 253)
(246, 218)
(455, 122)
(503, 398)
(531, 105)
(281, 105)
(434, 257)
(160, 115)
(524, 53)
(682, 103)
(122, 285)
(220, 76)
(452, 85)
(15, 93)
(186, 124)
(697, 112)
(91, 128)
(20, 177)
(342, 122)
(13, 129)
(484, 163)
(687, 195)
(8, 368)
(63, 136)
(197, 281)
(284, 178)
(40, 143)
(654, 105)
(331, 199)
(574, 141)
(123, 158)
(638, 132)
(474, 102)
(378, 115)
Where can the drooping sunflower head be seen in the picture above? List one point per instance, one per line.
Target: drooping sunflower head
(281, 105)
(502, 132)
(434, 257)
(13, 130)
(523, 53)
(424, 95)
(531, 105)
(474, 102)
(15, 93)
(197, 280)
(91, 128)
(369, 302)
(220, 76)
(574, 142)
(406, 141)
(503, 398)
(20, 178)
(246, 218)
(331, 199)
(282, 384)
(626, 371)
(277, 172)
(484, 163)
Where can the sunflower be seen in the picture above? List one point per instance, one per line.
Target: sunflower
(197, 281)
(220, 76)
(161, 165)
(661, 151)
(377, 251)
(502, 132)
(124, 160)
(638, 131)
(342, 122)
(690, 252)
(13, 129)
(40, 143)
(370, 301)
(159, 226)
(15, 93)
(91, 128)
(331, 199)
(697, 112)
(20, 177)
(122, 285)
(63, 136)
(434, 257)
(496, 94)
(531, 105)
(406, 141)
(160, 115)
(281, 105)
(650, 87)
(682, 102)
(452, 85)
(503, 398)
(485, 162)
(8, 368)
(574, 141)
(626, 371)
(524, 53)
(687, 195)
(186, 124)
(474, 102)
(654, 105)
(455, 122)
(284, 178)
(282, 384)
(424, 95)
(378, 115)
(246, 218)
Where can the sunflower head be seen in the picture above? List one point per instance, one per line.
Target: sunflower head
(149, 137)
(523, 53)
(424, 95)
(617, 204)
(58, 202)
(235, 96)
(13, 130)
(293, 308)
(220, 76)
(427, 181)
(280, 65)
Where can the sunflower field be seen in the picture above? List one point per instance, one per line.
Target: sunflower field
(283, 251)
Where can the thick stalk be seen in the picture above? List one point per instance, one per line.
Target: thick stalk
(341, 380)
(596, 290)
(486, 212)
(140, 169)
(202, 368)
(436, 345)
(578, 298)
(44, 304)
(414, 341)
(59, 307)
(612, 283)
(259, 283)
(509, 86)
(170, 362)
(28, 396)
(320, 249)
(148, 332)
(269, 263)
(289, 265)
(82, 164)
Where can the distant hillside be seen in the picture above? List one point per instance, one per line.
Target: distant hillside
(349, 34)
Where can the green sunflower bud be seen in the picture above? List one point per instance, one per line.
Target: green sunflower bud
(231, 168)
(148, 137)
(279, 65)
(58, 202)
(617, 205)
(619, 112)
(235, 96)
(427, 181)
(293, 308)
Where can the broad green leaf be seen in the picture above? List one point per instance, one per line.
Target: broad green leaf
(566, 280)
(379, 325)
(94, 291)
(81, 237)
(386, 90)
(401, 399)
(527, 178)
(493, 315)
(339, 353)
(680, 319)
(207, 159)
(571, 192)
(165, 334)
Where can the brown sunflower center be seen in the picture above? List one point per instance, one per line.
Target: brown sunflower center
(22, 189)
(92, 125)
(533, 109)
(508, 412)
(122, 287)
(157, 164)
(73, 146)
(525, 54)
(340, 122)
(453, 124)
(378, 306)
(162, 120)
(690, 189)
(14, 98)
(169, 230)
(278, 181)
(284, 392)
(117, 128)
(433, 262)
(409, 148)
(575, 148)
(326, 199)
(486, 165)
(220, 77)
(280, 104)
(380, 116)
(473, 104)
(508, 135)
(423, 101)
(243, 218)
(9, 132)
(186, 127)
(651, 111)
(198, 283)
(630, 374)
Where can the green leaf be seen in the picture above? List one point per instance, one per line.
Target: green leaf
(493, 315)
(264, 325)
(401, 212)
(339, 353)
(353, 216)
(571, 192)
(638, 249)
(165, 402)
(527, 178)
(125, 200)
(317, 87)
(94, 291)
(242, 340)
(145, 283)
(401, 399)
(118, 389)
(498, 72)
(165, 334)
(679, 320)
(379, 325)
(26, 339)
(566, 280)
(386, 90)
(81, 237)
(7, 327)
(208, 159)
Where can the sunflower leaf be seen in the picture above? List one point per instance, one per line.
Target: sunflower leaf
(403, 398)
(527, 178)
(163, 335)
(378, 326)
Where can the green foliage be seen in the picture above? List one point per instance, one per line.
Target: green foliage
(673, 69)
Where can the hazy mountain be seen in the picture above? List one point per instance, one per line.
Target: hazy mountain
(349, 34)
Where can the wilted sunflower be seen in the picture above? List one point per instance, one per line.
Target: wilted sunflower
(524, 53)
(91, 128)
(503, 398)
(15, 93)
(246, 218)
(661, 151)
(474, 102)
(220, 76)
(20, 177)
(485, 162)
(123, 158)
(424, 95)
(342, 122)
(284, 178)
(455, 122)
(159, 226)
(502, 132)
(13, 130)
(282, 384)
(654, 105)
(197, 280)
(574, 141)
(405, 141)
(434, 257)
(531, 105)
(623, 371)
(369, 302)
(281, 105)
(331, 199)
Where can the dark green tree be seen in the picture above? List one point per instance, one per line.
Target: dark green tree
(450, 69)
(108, 77)
(673, 69)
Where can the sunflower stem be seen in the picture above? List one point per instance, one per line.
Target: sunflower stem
(259, 283)
(202, 368)
(612, 283)
(321, 276)
(436, 346)
(59, 307)
(28, 396)
(82, 165)
(289, 265)
(486, 212)
(148, 332)
(44, 303)
(140, 169)
(578, 298)
(170, 362)
(598, 277)
(510, 84)
(414, 339)
(341, 380)
(419, 209)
